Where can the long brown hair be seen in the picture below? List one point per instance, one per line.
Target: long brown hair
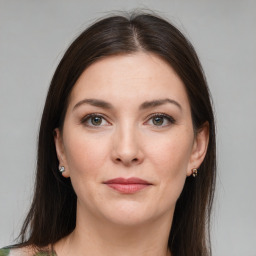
(53, 211)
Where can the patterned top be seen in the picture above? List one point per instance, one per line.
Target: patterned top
(10, 251)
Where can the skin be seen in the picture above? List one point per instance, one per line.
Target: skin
(127, 142)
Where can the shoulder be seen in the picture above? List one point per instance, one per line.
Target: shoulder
(4, 252)
(23, 251)
(13, 251)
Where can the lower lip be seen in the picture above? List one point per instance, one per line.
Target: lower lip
(128, 188)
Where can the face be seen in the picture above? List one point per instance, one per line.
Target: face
(127, 142)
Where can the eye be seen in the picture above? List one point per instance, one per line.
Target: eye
(160, 120)
(94, 120)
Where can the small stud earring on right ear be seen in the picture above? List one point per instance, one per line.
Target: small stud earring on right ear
(62, 169)
(194, 172)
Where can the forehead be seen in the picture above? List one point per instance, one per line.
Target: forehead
(128, 77)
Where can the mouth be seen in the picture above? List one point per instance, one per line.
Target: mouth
(127, 186)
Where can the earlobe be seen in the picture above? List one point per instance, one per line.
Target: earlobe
(63, 168)
(199, 150)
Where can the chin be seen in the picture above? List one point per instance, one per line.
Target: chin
(128, 220)
(131, 214)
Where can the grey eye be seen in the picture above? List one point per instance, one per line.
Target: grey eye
(96, 120)
(158, 120)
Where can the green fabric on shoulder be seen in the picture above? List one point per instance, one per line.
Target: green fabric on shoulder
(4, 252)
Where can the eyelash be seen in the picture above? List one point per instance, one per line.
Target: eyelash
(170, 119)
(89, 117)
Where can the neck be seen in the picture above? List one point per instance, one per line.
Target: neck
(94, 237)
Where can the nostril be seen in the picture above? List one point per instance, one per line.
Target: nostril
(135, 160)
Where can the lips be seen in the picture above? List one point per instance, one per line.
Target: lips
(127, 186)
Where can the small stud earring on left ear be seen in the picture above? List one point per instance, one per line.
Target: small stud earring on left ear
(62, 169)
(194, 172)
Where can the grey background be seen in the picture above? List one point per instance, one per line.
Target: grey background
(34, 36)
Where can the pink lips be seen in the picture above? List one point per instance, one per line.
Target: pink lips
(127, 186)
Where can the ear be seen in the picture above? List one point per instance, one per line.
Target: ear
(60, 151)
(199, 149)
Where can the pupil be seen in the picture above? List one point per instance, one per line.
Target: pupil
(158, 120)
(96, 120)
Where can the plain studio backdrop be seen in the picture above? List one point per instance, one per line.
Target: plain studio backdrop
(33, 37)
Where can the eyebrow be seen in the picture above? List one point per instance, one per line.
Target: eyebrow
(156, 103)
(144, 105)
(94, 102)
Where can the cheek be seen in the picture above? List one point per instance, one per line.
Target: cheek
(172, 153)
(85, 154)
(170, 157)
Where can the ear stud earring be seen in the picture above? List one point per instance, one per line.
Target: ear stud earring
(62, 169)
(194, 172)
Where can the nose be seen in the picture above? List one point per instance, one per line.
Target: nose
(127, 148)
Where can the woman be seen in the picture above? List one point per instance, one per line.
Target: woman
(126, 151)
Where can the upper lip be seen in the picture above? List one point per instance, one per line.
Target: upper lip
(132, 180)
